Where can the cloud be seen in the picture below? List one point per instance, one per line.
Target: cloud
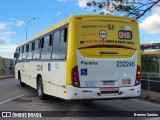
(3, 26)
(19, 23)
(16, 22)
(7, 33)
(59, 13)
(4, 33)
(83, 3)
(157, 9)
(5, 29)
(7, 50)
(151, 24)
(5, 36)
(4, 39)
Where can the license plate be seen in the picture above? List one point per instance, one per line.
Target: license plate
(109, 83)
(109, 89)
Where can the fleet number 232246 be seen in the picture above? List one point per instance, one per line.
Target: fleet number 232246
(125, 63)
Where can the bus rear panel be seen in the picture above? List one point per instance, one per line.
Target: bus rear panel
(105, 59)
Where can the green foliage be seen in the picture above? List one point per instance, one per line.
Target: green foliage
(149, 64)
(132, 8)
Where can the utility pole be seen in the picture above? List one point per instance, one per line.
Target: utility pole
(27, 26)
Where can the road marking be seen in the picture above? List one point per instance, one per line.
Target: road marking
(143, 101)
(10, 99)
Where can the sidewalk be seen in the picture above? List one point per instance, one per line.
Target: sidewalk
(5, 77)
(150, 96)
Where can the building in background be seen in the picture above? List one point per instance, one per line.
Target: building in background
(6, 67)
(151, 50)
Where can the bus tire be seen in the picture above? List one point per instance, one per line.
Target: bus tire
(19, 78)
(40, 90)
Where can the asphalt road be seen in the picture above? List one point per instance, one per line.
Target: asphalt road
(15, 98)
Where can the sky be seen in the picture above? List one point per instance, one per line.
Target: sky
(14, 14)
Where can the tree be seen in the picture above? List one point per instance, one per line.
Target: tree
(149, 64)
(130, 8)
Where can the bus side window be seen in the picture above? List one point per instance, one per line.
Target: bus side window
(46, 48)
(19, 51)
(20, 54)
(59, 46)
(56, 37)
(24, 53)
(36, 52)
(27, 48)
(62, 37)
(29, 54)
(63, 42)
(39, 43)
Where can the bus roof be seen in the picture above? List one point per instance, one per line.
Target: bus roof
(80, 17)
(104, 17)
(46, 31)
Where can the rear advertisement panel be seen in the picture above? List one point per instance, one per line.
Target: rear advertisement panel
(107, 33)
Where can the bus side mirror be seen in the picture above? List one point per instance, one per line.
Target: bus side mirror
(16, 55)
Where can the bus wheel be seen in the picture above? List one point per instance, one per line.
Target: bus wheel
(40, 91)
(19, 78)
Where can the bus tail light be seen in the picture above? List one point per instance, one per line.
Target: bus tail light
(75, 77)
(138, 75)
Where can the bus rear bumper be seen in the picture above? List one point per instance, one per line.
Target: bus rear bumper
(95, 93)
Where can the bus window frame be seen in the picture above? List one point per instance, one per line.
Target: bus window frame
(39, 39)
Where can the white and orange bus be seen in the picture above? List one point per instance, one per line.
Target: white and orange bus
(83, 57)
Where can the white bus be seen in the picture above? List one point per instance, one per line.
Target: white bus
(83, 57)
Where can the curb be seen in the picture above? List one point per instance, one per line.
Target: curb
(5, 77)
(153, 97)
(147, 98)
